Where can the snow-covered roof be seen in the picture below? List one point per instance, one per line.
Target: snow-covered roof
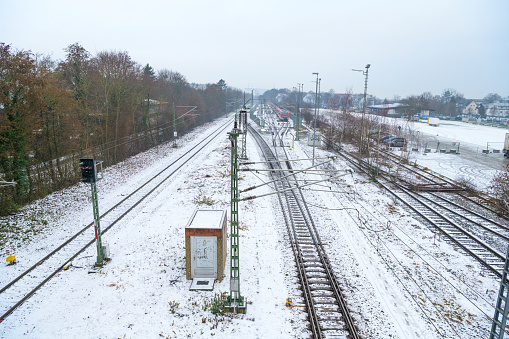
(387, 106)
(206, 219)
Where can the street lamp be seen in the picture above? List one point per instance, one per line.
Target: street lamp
(364, 104)
(297, 129)
(314, 122)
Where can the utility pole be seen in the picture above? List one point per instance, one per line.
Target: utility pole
(297, 127)
(235, 303)
(363, 142)
(89, 175)
(174, 129)
(314, 122)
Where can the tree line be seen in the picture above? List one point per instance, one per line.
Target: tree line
(106, 107)
(449, 103)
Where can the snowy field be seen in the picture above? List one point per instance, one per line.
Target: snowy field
(471, 139)
(401, 280)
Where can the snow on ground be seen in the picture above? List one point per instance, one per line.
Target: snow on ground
(401, 280)
(468, 134)
(471, 164)
(143, 292)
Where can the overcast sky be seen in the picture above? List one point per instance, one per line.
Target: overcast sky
(412, 46)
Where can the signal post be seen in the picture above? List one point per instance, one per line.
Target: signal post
(89, 175)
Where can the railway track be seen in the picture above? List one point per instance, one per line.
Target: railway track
(483, 238)
(27, 283)
(423, 179)
(327, 309)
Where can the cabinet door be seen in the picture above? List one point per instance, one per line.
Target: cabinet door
(204, 257)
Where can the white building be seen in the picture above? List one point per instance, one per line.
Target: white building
(497, 109)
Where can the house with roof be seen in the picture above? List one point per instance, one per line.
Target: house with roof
(388, 110)
(472, 108)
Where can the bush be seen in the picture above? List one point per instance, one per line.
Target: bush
(500, 189)
(467, 183)
(202, 199)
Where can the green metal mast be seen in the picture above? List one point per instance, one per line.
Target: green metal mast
(95, 207)
(502, 306)
(89, 175)
(235, 302)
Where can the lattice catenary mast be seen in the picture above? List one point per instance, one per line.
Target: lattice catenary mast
(235, 302)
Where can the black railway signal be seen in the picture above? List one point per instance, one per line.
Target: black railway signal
(88, 170)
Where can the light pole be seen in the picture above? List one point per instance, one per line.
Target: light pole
(364, 104)
(314, 121)
(297, 129)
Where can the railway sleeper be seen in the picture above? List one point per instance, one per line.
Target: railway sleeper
(313, 264)
(335, 336)
(307, 259)
(318, 287)
(458, 235)
(494, 261)
(315, 269)
(334, 316)
(327, 310)
(301, 243)
(308, 246)
(304, 237)
(332, 325)
(322, 293)
(303, 234)
(308, 250)
(312, 254)
(317, 279)
(316, 272)
(313, 280)
(312, 258)
(326, 303)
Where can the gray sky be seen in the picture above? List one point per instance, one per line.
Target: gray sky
(412, 46)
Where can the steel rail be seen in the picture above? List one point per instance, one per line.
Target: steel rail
(361, 165)
(297, 209)
(431, 176)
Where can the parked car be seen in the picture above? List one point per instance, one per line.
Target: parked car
(396, 142)
(386, 137)
(377, 138)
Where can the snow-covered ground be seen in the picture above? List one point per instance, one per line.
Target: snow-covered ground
(471, 164)
(401, 281)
